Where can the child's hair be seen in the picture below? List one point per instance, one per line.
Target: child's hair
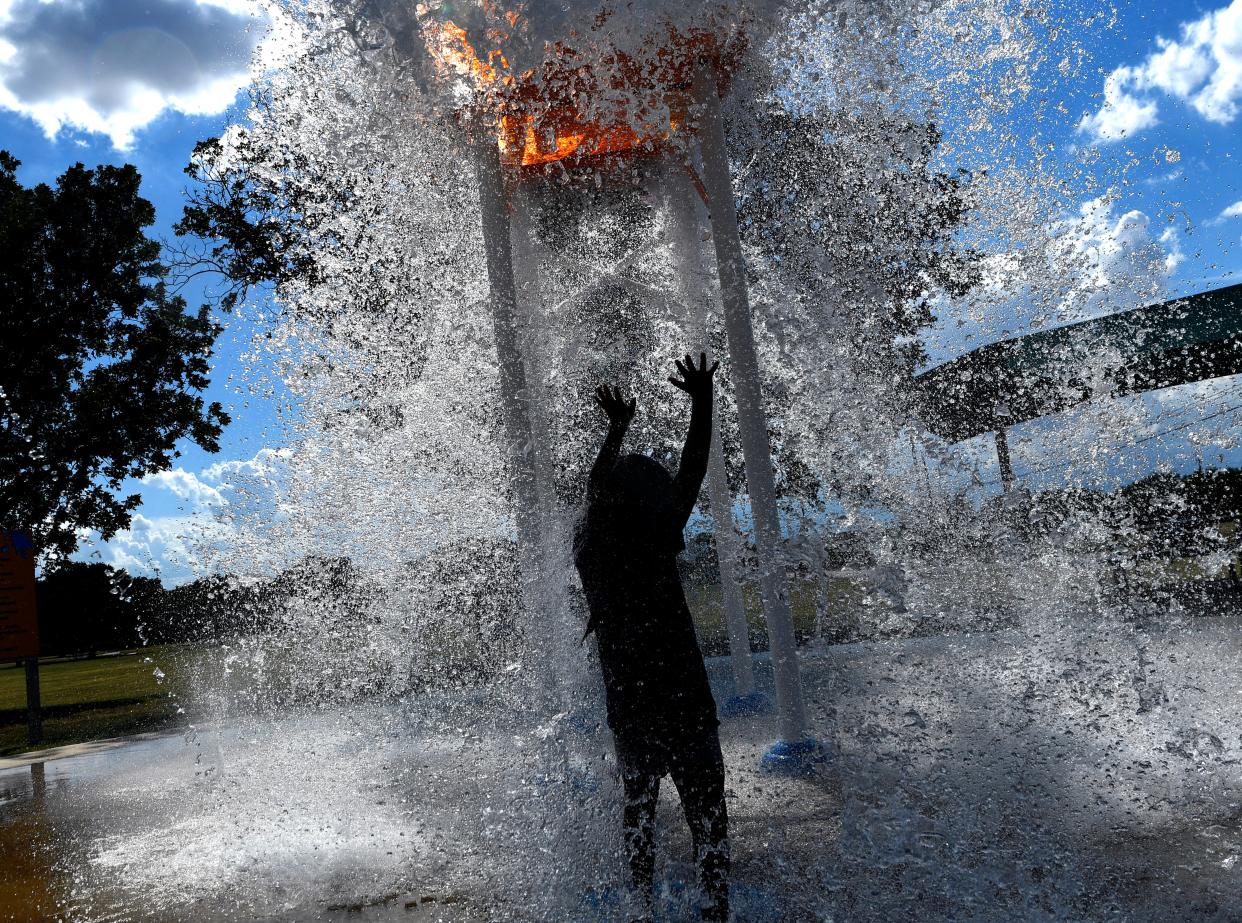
(632, 512)
(629, 522)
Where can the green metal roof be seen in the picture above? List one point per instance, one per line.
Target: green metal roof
(1176, 342)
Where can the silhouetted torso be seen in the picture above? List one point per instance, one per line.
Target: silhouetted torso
(626, 550)
(653, 669)
(660, 706)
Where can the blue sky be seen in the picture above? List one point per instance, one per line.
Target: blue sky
(1162, 108)
(152, 87)
(1188, 114)
(140, 81)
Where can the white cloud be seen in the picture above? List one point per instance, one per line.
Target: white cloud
(215, 503)
(1122, 113)
(168, 547)
(1173, 255)
(1233, 211)
(1203, 69)
(1092, 262)
(1164, 179)
(264, 464)
(1114, 260)
(114, 66)
(186, 486)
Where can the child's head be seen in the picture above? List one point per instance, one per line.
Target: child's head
(633, 511)
(637, 482)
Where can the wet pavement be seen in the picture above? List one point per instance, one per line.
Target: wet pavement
(1068, 774)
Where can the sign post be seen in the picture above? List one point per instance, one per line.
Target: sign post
(34, 711)
(19, 625)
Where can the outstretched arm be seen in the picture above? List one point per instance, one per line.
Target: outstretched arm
(697, 382)
(620, 413)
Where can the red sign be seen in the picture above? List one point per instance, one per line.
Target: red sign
(19, 625)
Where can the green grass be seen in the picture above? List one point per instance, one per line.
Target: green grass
(114, 695)
(707, 607)
(90, 699)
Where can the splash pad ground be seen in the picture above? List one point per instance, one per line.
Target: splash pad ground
(1051, 774)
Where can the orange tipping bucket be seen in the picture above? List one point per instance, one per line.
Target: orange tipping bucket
(572, 108)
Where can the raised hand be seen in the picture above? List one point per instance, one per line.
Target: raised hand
(695, 382)
(620, 411)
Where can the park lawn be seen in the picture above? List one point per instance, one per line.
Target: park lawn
(109, 696)
(90, 699)
(706, 604)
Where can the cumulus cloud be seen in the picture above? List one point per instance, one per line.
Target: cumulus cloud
(1123, 113)
(215, 503)
(1095, 260)
(114, 66)
(265, 463)
(1102, 260)
(1173, 255)
(1116, 253)
(168, 547)
(1202, 69)
(1232, 211)
(187, 487)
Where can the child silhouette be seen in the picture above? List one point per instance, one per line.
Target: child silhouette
(660, 707)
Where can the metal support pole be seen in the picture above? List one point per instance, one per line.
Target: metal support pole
(728, 553)
(38, 781)
(532, 323)
(752, 420)
(694, 293)
(1002, 458)
(515, 396)
(34, 708)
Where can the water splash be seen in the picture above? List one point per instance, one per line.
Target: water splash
(417, 725)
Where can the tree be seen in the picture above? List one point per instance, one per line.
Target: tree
(466, 612)
(850, 208)
(101, 368)
(264, 213)
(86, 608)
(853, 234)
(210, 608)
(256, 227)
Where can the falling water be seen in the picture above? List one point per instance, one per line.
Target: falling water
(418, 731)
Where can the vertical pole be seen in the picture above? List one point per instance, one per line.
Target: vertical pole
(694, 294)
(515, 396)
(1002, 458)
(728, 554)
(752, 420)
(531, 323)
(34, 708)
(922, 457)
(38, 781)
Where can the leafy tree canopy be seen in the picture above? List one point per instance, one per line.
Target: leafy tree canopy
(853, 206)
(87, 608)
(101, 368)
(263, 226)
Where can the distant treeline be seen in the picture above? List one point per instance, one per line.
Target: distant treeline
(1164, 516)
(88, 608)
(1161, 517)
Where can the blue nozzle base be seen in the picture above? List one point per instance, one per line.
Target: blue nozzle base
(794, 758)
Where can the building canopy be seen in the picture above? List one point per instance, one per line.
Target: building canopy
(1176, 342)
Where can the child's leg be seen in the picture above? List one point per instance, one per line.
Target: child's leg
(642, 789)
(698, 773)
